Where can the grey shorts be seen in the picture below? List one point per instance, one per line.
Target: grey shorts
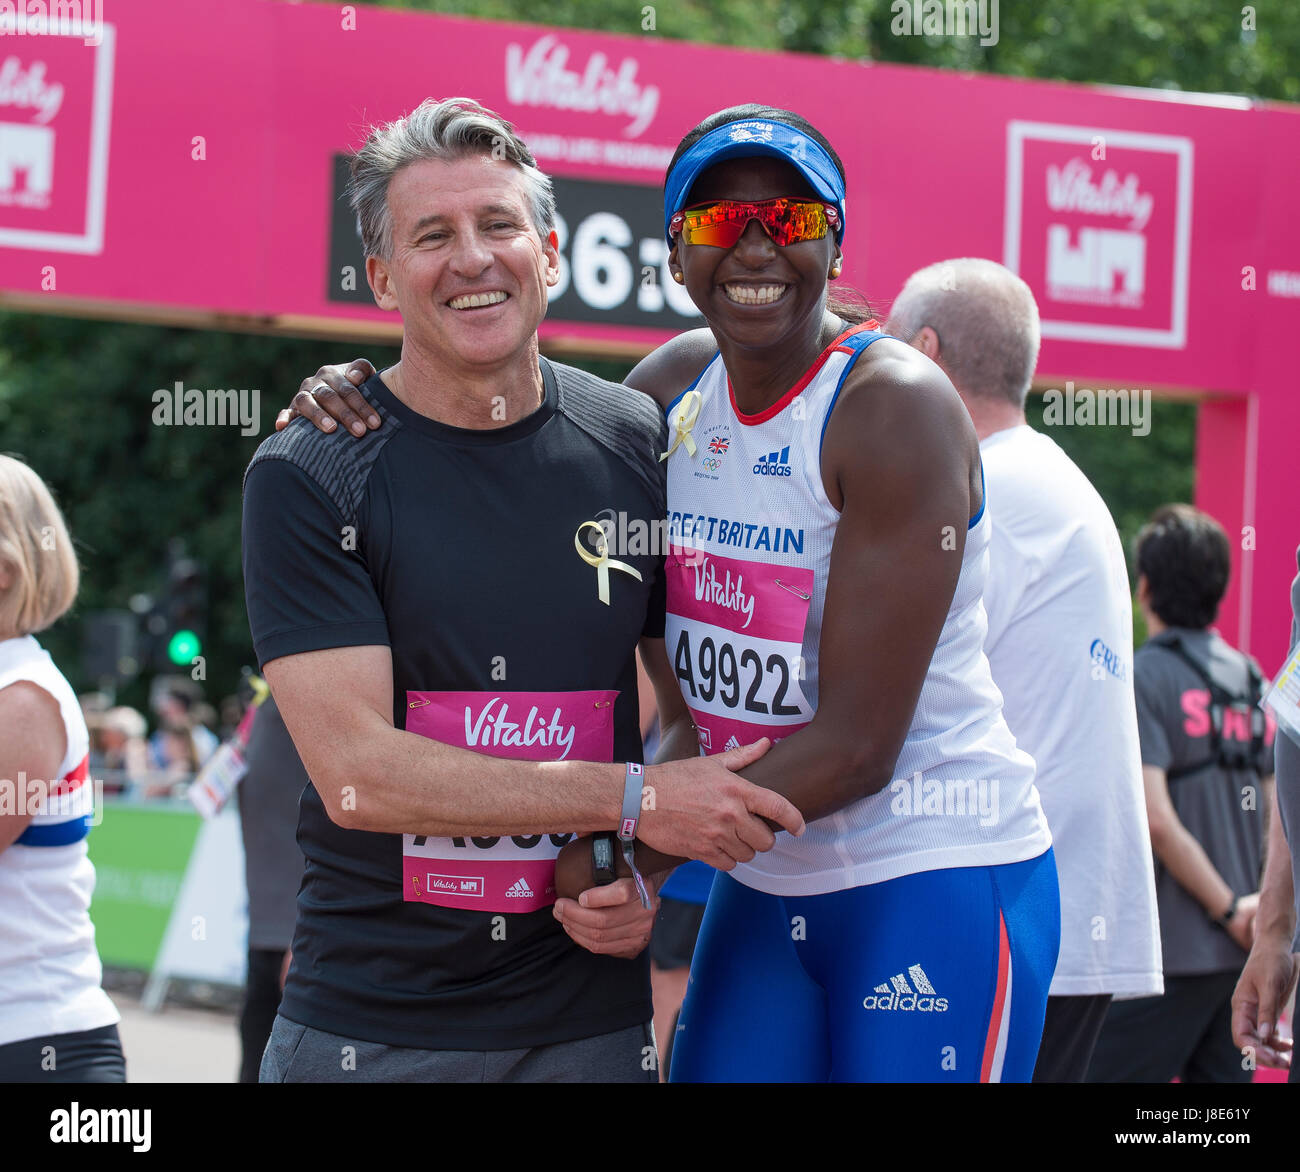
(299, 1053)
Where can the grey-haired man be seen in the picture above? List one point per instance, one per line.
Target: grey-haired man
(428, 601)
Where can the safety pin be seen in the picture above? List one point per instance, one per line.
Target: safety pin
(793, 590)
(417, 703)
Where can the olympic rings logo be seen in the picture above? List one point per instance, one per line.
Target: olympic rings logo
(711, 463)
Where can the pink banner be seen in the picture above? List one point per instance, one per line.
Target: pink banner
(191, 166)
(185, 163)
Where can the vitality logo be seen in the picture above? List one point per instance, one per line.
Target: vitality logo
(898, 994)
(774, 463)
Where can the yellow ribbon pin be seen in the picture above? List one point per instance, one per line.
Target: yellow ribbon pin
(601, 560)
(686, 417)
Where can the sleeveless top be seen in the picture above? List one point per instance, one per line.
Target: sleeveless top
(751, 531)
(49, 968)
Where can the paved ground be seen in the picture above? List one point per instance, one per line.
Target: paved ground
(184, 1042)
(195, 1037)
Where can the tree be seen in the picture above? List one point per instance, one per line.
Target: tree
(1194, 45)
(77, 403)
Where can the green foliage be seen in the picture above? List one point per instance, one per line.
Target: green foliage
(1192, 45)
(1135, 474)
(76, 402)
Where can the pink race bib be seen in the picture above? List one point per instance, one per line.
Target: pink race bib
(735, 637)
(500, 874)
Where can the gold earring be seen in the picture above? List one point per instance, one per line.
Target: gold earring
(681, 280)
(835, 271)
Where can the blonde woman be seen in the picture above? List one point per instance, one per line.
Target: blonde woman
(56, 1023)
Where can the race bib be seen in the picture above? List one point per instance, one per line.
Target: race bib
(499, 874)
(735, 636)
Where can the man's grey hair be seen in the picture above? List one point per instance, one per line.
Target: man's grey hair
(986, 320)
(450, 129)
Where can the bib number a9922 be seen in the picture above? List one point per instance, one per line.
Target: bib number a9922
(718, 671)
(735, 633)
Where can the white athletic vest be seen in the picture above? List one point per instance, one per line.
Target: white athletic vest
(49, 969)
(752, 530)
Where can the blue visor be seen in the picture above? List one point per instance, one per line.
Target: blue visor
(740, 140)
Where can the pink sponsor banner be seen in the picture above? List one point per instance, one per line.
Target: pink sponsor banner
(499, 873)
(1100, 226)
(221, 139)
(759, 599)
(55, 96)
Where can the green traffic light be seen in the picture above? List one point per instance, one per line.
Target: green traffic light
(183, 647)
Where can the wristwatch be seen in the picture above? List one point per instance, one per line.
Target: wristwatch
(602, 858)
(1226, 918)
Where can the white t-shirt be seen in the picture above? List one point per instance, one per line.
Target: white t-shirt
(1060, 643)
(49, 967)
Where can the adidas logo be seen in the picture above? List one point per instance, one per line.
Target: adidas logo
(774, 463)
(732, 743)
(519, 890)
(898, 994)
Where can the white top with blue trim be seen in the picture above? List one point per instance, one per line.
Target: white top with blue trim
(752, 495)
(49, 968)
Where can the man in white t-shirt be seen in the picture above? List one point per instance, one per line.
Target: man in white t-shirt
(1060, 644)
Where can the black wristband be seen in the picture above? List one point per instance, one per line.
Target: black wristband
(603, 854)
(1226, 918)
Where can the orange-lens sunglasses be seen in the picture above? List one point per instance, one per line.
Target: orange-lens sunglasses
(786, 221)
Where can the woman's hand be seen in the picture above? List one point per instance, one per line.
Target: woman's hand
(573, 868)
(331, 394)
(608, 921)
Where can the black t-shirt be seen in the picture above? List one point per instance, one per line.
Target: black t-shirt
(455, 548)
(1221, 808)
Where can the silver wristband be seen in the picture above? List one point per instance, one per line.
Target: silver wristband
(628, 823)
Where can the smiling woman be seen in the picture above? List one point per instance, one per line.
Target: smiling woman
(806, 222)
(858, 651)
